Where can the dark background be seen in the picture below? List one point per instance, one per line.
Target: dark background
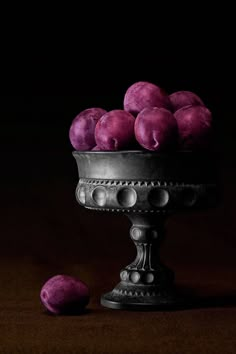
(45, 232)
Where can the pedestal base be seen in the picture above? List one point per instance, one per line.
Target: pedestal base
(142, 297)
(145, 303)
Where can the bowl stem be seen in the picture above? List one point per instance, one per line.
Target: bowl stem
(145, 283)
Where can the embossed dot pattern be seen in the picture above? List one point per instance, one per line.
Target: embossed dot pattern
(135, 277)
(188, 197)
(99, 196)
(136, 233)
(127, 197)
(124, 275)
(149, 278)
(158, 197)
(81, 195)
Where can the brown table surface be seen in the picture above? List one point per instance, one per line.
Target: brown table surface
(44, 233)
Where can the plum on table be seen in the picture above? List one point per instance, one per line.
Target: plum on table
(64, 294)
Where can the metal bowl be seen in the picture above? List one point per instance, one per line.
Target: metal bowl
(147, 187)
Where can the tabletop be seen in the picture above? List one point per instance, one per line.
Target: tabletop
(45, 232)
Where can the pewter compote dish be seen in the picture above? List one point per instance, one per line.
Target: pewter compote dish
(147, 187)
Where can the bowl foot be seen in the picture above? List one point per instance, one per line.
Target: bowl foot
(160, 302)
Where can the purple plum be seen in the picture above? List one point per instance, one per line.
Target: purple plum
(156, 129)
(194, 125)
(64, 294)
(96, 148)
(115, 130)
(181, 99)
(145, 95)
(81, 132)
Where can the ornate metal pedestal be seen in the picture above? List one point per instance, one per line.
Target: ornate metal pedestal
(147, 187)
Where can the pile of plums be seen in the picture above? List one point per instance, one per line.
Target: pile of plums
(151, 120)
